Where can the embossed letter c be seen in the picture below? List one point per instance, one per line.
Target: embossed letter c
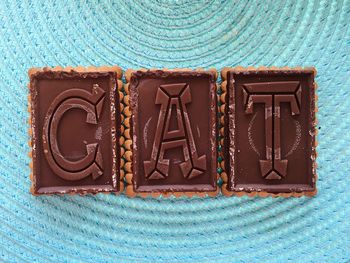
(92, 163)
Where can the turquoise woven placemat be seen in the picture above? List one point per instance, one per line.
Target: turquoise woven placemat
(184, 33)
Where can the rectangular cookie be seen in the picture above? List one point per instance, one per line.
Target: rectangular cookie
(270, 128)
(75, 130)
(173, 131)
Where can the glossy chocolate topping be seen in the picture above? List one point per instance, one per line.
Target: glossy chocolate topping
(270, 137)
(74, 132)
(174, 131)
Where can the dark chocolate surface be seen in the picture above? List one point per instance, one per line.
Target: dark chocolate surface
(270, 141)
(74, 132)
(174, 131)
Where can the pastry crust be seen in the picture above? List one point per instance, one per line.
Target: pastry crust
(130, 183)
(33, 73)
(249, 70)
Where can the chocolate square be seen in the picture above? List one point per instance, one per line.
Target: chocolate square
(174, 131)
(74, 118)
(270, 145)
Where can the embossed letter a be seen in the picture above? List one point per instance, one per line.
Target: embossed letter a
(174, 96)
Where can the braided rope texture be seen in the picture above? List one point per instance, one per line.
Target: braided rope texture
(182, 33)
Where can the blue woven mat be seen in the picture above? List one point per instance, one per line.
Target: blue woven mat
(184, 33)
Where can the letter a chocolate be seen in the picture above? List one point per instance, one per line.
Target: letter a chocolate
(173, 131)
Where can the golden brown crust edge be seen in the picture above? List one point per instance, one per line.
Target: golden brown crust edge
(80, 69)
(129, 189)
(224, 175)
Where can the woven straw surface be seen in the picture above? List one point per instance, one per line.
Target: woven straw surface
(184, 33)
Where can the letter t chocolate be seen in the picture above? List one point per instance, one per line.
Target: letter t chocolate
(270, 145)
